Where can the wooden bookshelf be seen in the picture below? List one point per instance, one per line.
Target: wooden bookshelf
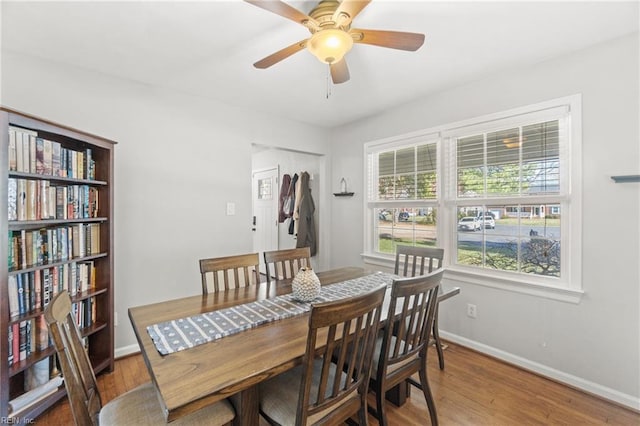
(91, 284)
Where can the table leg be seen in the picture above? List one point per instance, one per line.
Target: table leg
(438, 343)
(398, 394)
(247, 407)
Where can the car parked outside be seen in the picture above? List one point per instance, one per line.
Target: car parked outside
(469, 223)
(488, 222)
(405, 216)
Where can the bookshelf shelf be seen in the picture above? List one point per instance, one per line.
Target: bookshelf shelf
(57, 179)
(14, 271)
(60, 237)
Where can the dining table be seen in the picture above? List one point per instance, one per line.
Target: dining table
(233, 366)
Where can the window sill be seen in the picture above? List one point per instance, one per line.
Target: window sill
(464, 276)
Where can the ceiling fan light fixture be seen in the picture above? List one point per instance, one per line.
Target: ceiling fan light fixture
(330, 45)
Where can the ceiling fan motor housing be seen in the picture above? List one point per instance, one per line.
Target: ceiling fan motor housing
(331, 41)
(323, 14)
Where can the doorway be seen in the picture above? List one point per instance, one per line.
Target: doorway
(289, 161)
(265, 210)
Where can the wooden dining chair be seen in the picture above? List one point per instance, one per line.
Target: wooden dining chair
(139, 406)
(321, 391)
(402, 349)
(412, 261)
(229, 272)
(284, 264)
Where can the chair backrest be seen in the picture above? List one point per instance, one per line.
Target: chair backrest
(229, 272)
(341, 389)
(79, 379)
(412, 261)
(284, 264)
(404, 344)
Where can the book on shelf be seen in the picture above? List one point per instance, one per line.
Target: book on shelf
(14, 307)
(48, 158)
(21, 306)
(31, 336)
(39, 156)
(61, 198)
(31, 295)
(12, 190)
(26, 153)
(31, 187)
(10, 346)
(15, 332)
(80, 165)
(38, 289)
(32, 153)
(22, 341)
(13, 161)
(22, 199)
(89, 164)
(56, 149)
(72, 164)
(19, 152)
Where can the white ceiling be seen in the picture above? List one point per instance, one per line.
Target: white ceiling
(207, 48)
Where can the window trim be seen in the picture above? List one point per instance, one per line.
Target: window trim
(569, 287)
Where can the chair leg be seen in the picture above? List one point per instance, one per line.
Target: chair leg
(436, 337)
(428, 396)
(363, 419)
(380, 407)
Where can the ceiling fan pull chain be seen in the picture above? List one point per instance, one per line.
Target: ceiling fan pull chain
(328, 81)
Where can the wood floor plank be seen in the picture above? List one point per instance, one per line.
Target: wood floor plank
(474, 389)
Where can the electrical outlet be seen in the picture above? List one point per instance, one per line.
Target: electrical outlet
(471, 310)
(115, 319)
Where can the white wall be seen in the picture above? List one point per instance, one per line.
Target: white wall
(594, 344)
(179, 160)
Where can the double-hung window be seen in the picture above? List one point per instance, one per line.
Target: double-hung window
(500, 193)
(403, 193)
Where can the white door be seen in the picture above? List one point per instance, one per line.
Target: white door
(265, 192)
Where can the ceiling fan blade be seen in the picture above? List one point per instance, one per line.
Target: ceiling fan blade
(274, 58)
(339, 72)
(392, 39)
(280, 8)
(350, 8)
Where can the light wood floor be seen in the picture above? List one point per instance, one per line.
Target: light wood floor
(472, 390)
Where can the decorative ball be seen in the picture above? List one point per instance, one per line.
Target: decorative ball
(305, 285)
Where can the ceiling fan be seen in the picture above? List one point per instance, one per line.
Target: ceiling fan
(331, 34)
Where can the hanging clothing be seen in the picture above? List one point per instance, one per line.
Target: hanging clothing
(283, 200)
(292, 199)
(305, 212)
(296, 205)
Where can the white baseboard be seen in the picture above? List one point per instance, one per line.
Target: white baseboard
(127, 350)
(613, 395)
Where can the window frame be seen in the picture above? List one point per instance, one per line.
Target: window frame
(395, 143)
(568, 287)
